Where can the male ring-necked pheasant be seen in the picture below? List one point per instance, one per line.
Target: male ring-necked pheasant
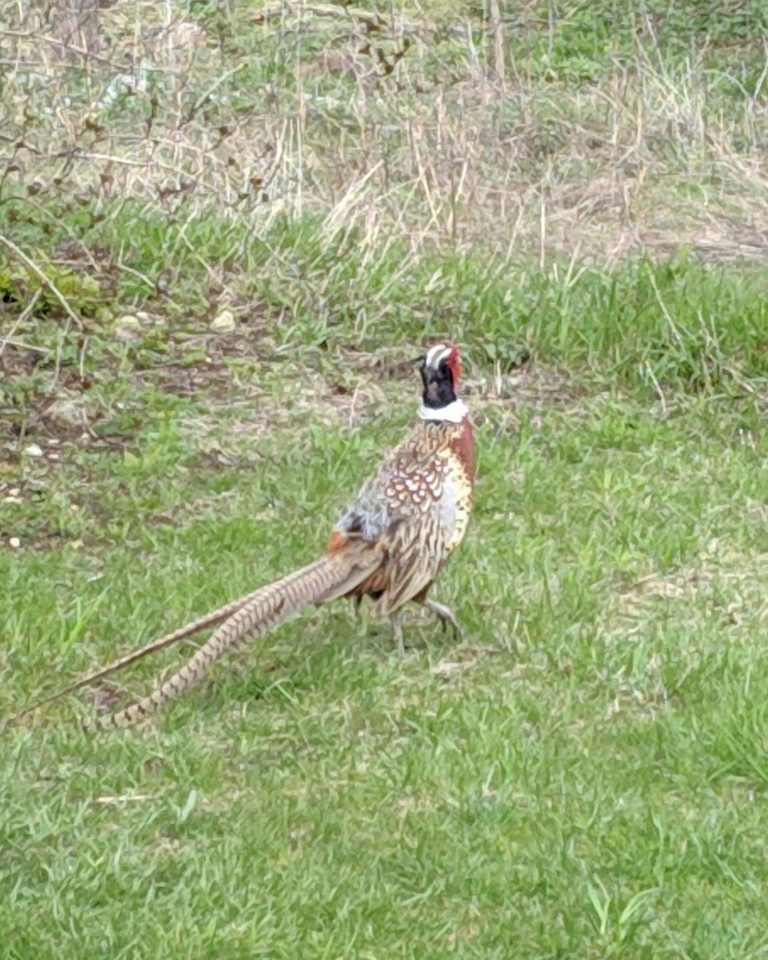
(389, 544)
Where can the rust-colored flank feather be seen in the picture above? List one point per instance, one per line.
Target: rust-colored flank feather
(389, 544)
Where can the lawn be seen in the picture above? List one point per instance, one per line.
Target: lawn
(218, 256)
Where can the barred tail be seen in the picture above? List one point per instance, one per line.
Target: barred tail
(211, 619)
(331, 576)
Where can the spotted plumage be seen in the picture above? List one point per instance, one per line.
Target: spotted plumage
(418, 505)
(389, 544)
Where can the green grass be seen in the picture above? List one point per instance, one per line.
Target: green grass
(582, 776)
(578, 199)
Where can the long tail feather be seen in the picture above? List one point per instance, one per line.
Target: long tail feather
(211, 619)
(331, 576)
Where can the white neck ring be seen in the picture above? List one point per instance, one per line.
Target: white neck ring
(453, 412)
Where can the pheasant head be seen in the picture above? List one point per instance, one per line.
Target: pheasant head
(440, 369)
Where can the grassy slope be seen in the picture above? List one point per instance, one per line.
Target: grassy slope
(582, 776)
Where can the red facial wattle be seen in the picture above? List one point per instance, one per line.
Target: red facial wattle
(453, 362)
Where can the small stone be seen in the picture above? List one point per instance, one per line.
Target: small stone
(224, 323)
(33, 450)
(14, 542)
(67, 410)
(127, 327)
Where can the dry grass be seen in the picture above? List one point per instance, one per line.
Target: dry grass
(392, 124)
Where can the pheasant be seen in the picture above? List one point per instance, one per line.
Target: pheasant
(389, 544)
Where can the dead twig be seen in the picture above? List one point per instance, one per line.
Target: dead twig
(44, 279)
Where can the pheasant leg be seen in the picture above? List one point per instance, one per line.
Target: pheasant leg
(445, 615)
(396, 619)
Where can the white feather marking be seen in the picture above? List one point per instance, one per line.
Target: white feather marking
(453, 412)
(436, 354)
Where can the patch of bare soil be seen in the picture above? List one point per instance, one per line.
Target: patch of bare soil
(533, 387)
(738, 578)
